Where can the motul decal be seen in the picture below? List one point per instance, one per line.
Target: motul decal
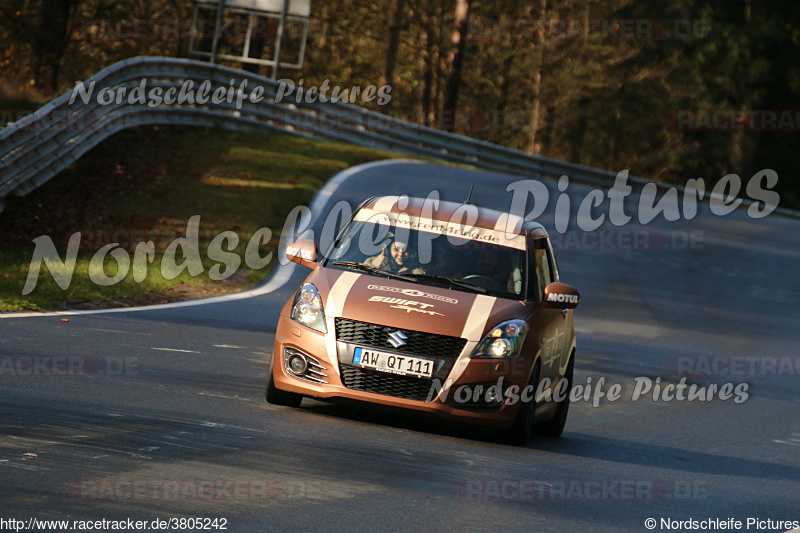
(303, 254)
(562, 298)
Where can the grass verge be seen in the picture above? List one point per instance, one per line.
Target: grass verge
(144, 185)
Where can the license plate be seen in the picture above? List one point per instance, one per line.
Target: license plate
(405, 365)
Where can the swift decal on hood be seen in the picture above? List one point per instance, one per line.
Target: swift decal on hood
(406, 305)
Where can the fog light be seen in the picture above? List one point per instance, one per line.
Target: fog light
(297, 364)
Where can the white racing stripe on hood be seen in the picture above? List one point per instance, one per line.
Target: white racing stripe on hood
(338, 293)
(478, 315)
(473, 328)
(333, 308)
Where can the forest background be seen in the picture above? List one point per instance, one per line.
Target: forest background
(671, 91)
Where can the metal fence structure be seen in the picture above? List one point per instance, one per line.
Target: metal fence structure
(39, 146)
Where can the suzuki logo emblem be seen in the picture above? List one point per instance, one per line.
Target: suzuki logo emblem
(397, 339)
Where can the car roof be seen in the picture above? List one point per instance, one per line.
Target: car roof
(443, 211)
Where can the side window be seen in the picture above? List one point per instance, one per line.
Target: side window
(541, 274)
(553, 263)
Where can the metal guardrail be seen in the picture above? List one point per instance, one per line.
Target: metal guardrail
(39, 146)
(36, 148)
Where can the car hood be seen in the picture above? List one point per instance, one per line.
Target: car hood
(412, 306)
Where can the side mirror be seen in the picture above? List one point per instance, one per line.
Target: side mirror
(302, 252)
(561, 295)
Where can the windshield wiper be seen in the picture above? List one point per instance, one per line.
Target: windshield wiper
(372, 270)
(451, 281)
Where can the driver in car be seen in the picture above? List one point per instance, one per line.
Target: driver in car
(489, 265)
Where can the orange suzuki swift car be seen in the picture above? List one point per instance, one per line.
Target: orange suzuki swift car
(456, 311)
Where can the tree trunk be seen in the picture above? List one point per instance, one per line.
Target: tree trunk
(438, 72)
(50, 42)
(426, 56)
(262, 28)
(535, 144)
(455, 60)
(390, 57)
(579, 133)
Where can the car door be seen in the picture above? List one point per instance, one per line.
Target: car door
(548, 324)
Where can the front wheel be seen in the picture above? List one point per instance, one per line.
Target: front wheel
(276, 396)
(522, 430)
(555, 426)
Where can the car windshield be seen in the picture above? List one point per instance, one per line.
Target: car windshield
(431, 259)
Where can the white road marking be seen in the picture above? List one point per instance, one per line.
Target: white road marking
(80, 445)
(24, 467)
(180, 420)
(225, 397)
(227, 346)
(174, 350)
(278, 279)
(625, 328)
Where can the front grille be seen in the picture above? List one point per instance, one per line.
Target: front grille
(377, 336)
(409, 388)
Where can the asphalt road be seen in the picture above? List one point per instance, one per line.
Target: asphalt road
(162, 414)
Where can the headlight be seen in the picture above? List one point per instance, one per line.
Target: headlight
(307, 308)
(503, 340)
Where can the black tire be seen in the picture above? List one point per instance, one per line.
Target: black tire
(523, 428)
(276, 396)
(555, 426)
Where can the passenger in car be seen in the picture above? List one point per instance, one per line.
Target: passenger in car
(396, 258)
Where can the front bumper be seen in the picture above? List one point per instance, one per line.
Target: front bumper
(452, 396)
